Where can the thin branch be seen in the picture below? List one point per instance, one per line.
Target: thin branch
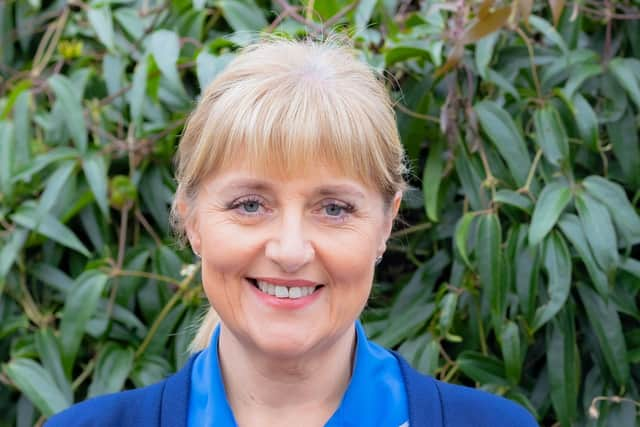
(534, 70)
(341, 13)
(293, 13)
(412, 113)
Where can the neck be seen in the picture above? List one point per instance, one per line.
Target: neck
(263, 387)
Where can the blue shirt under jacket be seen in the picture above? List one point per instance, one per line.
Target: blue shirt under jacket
(376, 385)
(431, 403)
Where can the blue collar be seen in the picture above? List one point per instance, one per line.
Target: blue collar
(375, 396)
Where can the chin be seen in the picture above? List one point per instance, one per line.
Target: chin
(287, 345)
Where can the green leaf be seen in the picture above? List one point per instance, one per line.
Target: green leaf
(605, 322)
(431, 179)
(557, 263)
(552, 201)
(36, 383)
(601, 235)
(164, 45)
(551, 135)
(579, 75)
(512, 198)
(150, 369)
(624, 72)
(623, 136)
(43, 223)
(572, 229)
(208, 66)
(79, 306)
(631, 266)
(563, 367)
(138, 91)
(49, 352)
(7, 150)
(405, 324)
(95, 170)
(363, 13)
(527, 272)
(242, 15)
(10, 250)
(613, 196)
(447, 311)
(462, 236)
(482, 369)
(42, 161)
(587, 122)
(489, 254)
(483, 53)
(101, 21)
(549, 32)
(502, 131)
(511, 354)
(70, 100)
(55, 185)
(113, 366)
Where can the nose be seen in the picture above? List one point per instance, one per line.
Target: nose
(289, 248)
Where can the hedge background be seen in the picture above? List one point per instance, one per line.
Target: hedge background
(517, 270)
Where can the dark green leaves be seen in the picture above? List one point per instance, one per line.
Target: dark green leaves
(431, 179)
(551, 135)
(502, 131)
(489, 255)
(605, 322)
(80, 305)
(557, 263)
(243, 15)
(551, 203)
(113, 366)
(563, 367)
(601, 236)
(613, 196)
(69, 98)
(38, 385)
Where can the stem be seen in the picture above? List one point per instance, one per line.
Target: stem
(534, 71)
(532, 170)
(182, 289)
(412, 229)
(412, 113)
(146, 275)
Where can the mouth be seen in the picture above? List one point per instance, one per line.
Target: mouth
(284, 292)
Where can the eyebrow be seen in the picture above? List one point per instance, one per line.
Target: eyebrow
(259, 185)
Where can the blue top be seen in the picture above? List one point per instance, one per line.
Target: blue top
(432, 403)
(376, 384)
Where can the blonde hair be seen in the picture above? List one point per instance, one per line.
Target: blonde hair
(291, 104)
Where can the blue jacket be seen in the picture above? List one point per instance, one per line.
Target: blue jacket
(431, 404)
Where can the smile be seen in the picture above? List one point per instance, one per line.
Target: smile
(284, 292)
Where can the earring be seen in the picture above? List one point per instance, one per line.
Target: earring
(378, 259)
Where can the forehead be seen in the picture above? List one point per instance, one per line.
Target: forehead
(318, 178)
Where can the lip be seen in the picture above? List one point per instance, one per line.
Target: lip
(285, 303)
(300, 283)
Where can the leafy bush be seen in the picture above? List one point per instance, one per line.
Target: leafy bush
(519, 272)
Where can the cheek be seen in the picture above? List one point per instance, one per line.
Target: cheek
(226, 254)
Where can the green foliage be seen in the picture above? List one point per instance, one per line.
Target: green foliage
(520, 273)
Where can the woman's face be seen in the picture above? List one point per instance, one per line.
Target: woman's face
(287, 262)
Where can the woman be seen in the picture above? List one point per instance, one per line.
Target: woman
(290, 176)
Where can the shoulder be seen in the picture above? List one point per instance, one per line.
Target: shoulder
(452, 405)
(133, 407)
(466, 406)
(161, 404)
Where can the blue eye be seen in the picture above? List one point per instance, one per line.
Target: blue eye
(250, 206)
(333, 209)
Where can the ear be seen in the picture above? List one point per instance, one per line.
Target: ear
(389, 220)
(189, 218)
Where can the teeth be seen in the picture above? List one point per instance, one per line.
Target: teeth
(284, 291)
